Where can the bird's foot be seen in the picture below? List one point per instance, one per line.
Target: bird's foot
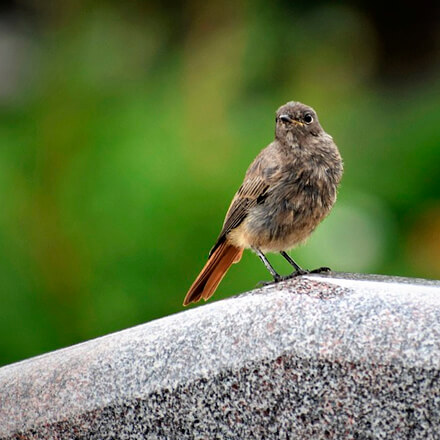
(323, 269)
(276, 279)
(299, 272)
(296, 273)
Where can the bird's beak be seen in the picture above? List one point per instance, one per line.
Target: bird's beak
(287, 118)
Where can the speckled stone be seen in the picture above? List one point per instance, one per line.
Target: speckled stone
(335, 357)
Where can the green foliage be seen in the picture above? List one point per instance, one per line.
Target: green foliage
(121, 147)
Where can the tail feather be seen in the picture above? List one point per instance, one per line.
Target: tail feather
(215, 269)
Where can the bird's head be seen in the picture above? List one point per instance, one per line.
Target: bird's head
(297, 119)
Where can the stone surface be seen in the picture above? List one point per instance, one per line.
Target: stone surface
(334, 357)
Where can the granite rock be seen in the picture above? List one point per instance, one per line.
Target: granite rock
(331, 357)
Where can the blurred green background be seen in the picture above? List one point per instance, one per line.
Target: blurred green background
(126, 128)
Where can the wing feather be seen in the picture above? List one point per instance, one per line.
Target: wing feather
(252, 192)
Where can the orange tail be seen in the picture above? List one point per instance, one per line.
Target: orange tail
(215, 269)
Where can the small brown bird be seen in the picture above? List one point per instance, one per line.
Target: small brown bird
(287, 190)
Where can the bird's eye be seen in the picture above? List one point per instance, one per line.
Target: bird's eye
(308, 118)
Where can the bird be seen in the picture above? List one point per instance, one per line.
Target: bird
(288, 189)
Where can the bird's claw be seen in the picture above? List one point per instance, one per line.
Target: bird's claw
(296, 273)
(276, 279)
(323, 269)
(300, 272)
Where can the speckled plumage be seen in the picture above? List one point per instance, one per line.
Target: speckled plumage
(287, 190)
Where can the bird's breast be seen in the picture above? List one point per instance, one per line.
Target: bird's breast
(293, 208)
(305, 193)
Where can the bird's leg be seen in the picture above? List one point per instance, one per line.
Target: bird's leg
(292, 262)
(276, 276)
(300, 271)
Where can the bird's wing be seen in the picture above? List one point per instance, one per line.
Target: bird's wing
(252, 192)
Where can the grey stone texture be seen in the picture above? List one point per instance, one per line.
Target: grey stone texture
(318, 357)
